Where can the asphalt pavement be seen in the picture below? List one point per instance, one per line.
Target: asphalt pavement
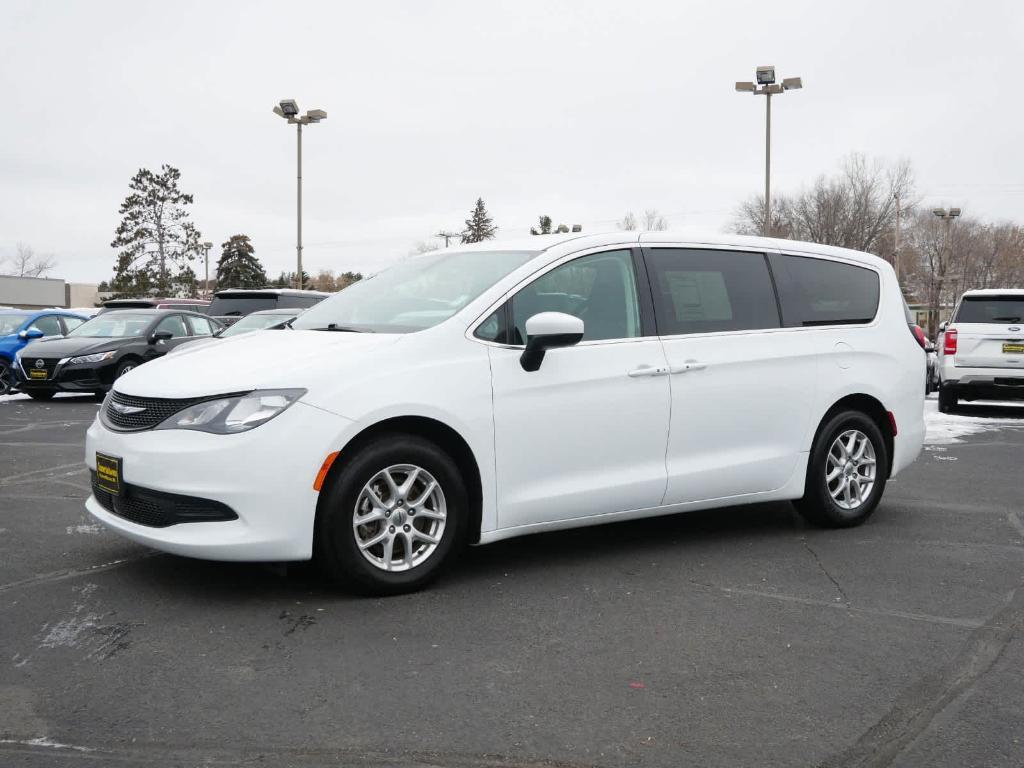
(735, 637)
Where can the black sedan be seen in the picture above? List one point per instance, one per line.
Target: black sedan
(99, 351)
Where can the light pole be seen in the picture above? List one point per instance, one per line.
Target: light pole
(206, 285)
(948, 217)
(289, 110)
(769, 88)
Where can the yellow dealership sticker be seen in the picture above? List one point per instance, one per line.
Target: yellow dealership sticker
(108, 473)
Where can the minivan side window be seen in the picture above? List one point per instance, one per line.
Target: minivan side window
(820, 292)
(704, 291)
(600, 289)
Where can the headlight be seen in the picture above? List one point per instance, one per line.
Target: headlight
(99, 357)
(228, 415)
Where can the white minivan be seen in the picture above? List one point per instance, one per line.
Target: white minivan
(504, 388)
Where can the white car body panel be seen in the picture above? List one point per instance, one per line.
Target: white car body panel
(579, 441)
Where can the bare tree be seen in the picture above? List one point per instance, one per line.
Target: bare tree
(27, 263)
(942, 261)
(423, 246)
(652, 221)
(856, 208)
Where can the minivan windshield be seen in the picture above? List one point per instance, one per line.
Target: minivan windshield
(991, 309)
(414, 294)
(9, 323)
(112, 325)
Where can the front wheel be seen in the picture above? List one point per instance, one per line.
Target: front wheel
(846, 472)
(6, 378)
(392, 518)
(124, 367)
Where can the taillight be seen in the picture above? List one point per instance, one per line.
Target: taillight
(919, 335)
(949, 342)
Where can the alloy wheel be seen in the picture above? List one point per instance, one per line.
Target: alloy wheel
(399, 518)
(850, 469)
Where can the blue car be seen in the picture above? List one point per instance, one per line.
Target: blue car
(20, 326)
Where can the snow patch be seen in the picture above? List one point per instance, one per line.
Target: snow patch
(45, 741)
(68, 631)
(82, 528)
(948, 428)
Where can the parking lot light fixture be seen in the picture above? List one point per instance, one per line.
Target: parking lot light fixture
(206, 286)
(289, 110)
(766, 86)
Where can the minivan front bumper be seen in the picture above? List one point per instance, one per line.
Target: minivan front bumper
(265, 476)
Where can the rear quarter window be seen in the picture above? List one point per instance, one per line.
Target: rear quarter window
(820, 292)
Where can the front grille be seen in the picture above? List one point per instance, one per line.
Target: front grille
(28, 363)
(154, 411)
(157, 509)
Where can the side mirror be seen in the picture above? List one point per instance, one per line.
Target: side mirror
(31, 334)
(549, 330)
(943, 325)
(161, 336)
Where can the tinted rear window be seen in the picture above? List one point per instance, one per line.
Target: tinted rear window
(991, 309)
(698, 291)
(819, 292)
(298, 302)
(236, 306)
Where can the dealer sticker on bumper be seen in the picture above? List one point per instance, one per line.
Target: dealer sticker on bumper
(108, 473)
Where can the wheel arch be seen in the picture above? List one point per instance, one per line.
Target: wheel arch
(873, 409)
(445, 437)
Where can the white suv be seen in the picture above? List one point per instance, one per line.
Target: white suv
(981, 350)
(499, 389)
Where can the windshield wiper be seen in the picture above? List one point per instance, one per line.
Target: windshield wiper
(342, 328)
(1014, 319)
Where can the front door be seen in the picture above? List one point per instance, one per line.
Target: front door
(584, 435)
(741, 384)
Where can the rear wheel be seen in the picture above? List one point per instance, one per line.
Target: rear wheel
(42, 396)
(947, 399)
(393, 518)
(846, 472)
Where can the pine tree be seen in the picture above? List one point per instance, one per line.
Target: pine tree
(479, 226)
(544, 226)
(155, 237)
(238, 266)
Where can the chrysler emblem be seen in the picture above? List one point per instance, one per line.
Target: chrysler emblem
(40, 363)
(126, 410)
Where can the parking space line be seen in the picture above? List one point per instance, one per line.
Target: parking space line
(19, 478)
(886, 612)
(53, 576)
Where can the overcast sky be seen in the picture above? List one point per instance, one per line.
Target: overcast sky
(580, 110)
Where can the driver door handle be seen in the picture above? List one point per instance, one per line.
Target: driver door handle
(689, 365)
(648, 370)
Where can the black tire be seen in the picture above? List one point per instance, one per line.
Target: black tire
(947, 399)
(336, 549)
(124, 366)
(817, 505)
(43, 397)
(6, 378)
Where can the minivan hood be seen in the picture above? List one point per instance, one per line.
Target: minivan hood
(281, 359)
